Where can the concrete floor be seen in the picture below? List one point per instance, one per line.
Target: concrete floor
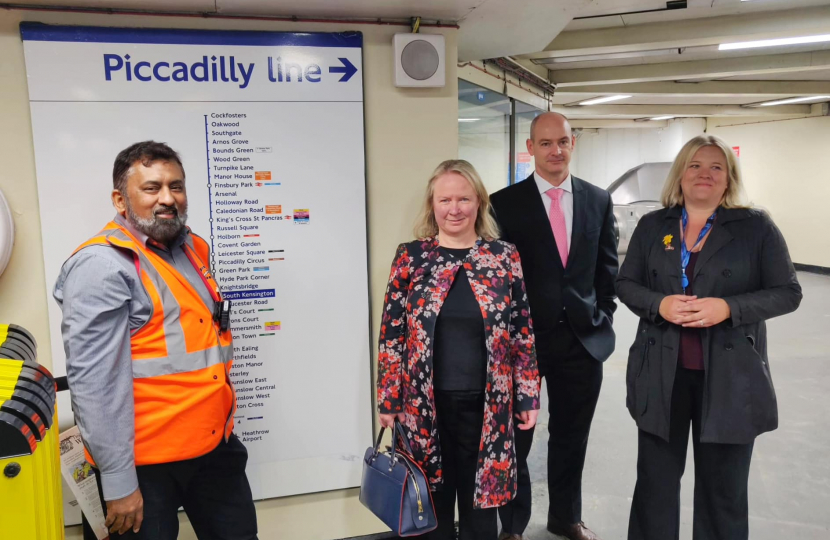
(789, 486)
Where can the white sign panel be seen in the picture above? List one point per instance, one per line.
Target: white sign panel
(270, 130)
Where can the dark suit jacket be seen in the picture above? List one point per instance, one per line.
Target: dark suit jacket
(745, 262)
(585, 289)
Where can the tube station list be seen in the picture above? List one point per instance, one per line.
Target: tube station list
(245, 213)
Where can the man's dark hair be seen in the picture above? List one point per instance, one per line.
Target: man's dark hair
(146, 152)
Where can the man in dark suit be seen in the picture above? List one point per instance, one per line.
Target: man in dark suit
(564, 230)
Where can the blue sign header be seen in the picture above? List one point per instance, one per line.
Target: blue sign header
(43, 32)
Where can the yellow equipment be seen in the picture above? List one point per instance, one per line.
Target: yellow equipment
(31, 506)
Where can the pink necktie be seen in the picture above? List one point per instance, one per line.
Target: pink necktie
(557, 223)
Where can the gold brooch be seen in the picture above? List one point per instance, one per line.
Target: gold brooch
(667, 242)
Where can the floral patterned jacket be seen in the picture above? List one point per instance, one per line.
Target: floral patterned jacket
(418, 285)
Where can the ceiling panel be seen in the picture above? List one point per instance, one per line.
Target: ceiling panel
(449, 10)
(610, 7)
(595, 24)
(201, 6)
(444, 10)
(620, 116)
(686, 55)
(737, 99)
(697, 9)
(818, 75)
(506, 27)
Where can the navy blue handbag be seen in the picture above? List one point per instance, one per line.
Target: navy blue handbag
(395, 488)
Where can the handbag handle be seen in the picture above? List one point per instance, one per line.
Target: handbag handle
(400, 433)
(397, 432)
(393, 458)
(377, 442)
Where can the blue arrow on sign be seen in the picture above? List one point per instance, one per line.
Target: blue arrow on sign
(347, 69)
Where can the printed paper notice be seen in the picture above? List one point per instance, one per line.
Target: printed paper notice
(80, 477)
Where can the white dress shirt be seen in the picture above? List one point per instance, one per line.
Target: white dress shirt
(566, 201)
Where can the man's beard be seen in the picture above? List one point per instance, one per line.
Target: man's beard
(162, 231)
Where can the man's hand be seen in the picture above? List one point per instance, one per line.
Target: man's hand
(528, 419)
(704, 313)
(673, 308)
(125, 514)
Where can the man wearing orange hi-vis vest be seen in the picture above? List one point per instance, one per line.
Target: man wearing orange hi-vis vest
(148, 359)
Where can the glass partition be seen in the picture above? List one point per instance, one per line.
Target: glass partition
(484, 133)
(524, 162)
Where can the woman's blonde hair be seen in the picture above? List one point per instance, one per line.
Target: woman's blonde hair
(672, 192)
(485, 225)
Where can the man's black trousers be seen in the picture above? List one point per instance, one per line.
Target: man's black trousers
(573, 379)
(213, 490)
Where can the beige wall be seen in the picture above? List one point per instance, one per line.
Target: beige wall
(786, 169)
(408, 132)
(22, 287)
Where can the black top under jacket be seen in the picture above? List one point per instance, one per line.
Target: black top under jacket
(460, 352)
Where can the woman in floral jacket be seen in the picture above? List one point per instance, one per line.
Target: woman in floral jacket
(457, 362)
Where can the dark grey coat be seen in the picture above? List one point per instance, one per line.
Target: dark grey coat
(744, 261)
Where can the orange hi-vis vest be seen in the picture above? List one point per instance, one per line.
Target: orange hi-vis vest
(184, 398)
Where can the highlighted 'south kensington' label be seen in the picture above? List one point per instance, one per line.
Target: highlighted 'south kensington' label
(258, 293)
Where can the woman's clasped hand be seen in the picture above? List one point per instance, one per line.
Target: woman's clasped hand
(694, 312)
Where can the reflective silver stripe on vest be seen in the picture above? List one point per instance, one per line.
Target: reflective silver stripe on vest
(178, 360)
(155, 367)
(173, 330)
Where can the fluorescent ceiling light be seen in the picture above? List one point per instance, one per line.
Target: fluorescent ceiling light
(469, 119)
(663, 117)
(791, 100)
(774, 42)
(605, 99)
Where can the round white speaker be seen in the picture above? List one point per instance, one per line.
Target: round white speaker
(420, 60)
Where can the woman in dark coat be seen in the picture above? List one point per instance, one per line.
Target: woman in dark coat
(456, 361)
(703, 274)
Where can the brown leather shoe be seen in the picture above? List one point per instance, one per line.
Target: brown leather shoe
(574, 531)
(508, 536)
